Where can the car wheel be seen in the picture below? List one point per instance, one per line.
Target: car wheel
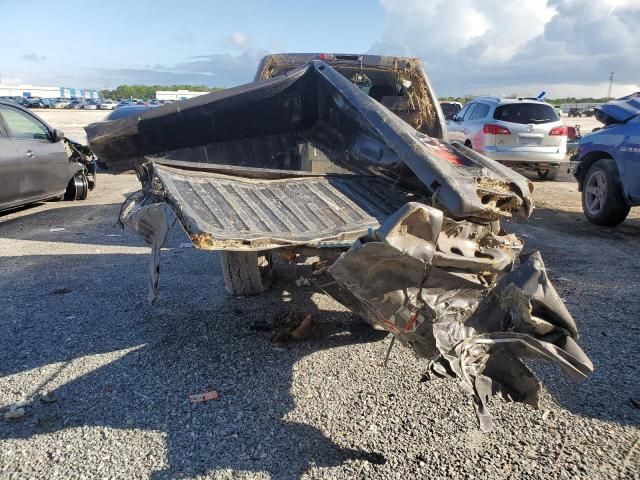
(77, 188)
(602, 199)
(548, 174)
(241, 272)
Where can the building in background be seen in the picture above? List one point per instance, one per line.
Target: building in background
(177, 94)
(26, 90)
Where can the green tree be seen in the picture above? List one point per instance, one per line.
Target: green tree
(147, 92)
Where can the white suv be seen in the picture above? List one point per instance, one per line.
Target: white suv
(521, 133)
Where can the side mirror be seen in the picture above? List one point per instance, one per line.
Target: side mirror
(58, 135)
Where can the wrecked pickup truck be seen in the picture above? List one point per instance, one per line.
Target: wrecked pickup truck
(405, 225)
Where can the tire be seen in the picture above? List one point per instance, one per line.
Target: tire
(548, 174)
(602, 199)
(241, 273)
(78, 187)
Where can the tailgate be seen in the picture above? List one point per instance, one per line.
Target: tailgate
(227, 212)
(530, 138)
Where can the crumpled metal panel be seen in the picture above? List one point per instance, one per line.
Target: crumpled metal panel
(470, 302)
(152, 220)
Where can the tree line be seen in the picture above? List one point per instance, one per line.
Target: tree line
(552, 101)
(148, 92)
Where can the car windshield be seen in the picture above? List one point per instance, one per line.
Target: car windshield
(450, 108)
(526, 113)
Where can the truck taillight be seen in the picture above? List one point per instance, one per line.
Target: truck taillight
(560, 131)
(493, 129)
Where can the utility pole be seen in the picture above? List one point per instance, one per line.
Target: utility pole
(610, 84)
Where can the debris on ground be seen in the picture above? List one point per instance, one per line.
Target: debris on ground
(261, 326)
(285, 327)
(204, 397)
(60, 291)
(14, 413)
(49, 397)
(290, 327)
(57, 229)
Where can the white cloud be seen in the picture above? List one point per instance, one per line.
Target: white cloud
(476, 46)
(212, 70)
(33, 57)
(238, 40)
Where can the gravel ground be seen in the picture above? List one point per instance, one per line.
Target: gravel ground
(76, 323)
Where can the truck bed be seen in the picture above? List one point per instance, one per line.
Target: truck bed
(225, 211)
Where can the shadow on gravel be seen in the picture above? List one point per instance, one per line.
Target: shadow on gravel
(58, 309)
(595, 271)
(80, 221)
(191, 342)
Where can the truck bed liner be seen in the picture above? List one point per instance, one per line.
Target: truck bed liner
(225, 211)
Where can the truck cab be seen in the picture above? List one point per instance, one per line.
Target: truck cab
(398, 83)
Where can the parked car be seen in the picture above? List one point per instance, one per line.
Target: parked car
(37, 162)
(108, 105)
(607, 165)
(574, 112)
(450, 109)
(23, 101)
(90, 105)
(520, 133)
(37, 102)
(60, 103)
(76, 104)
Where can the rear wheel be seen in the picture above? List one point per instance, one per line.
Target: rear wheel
(77, 188)
(602, 198)
(241, 272)
(548, 174)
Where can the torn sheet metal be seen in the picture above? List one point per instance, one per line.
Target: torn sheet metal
(464, 298)
(266, 124)
(152, 220)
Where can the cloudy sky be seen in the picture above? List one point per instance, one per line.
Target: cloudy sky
(566, 47)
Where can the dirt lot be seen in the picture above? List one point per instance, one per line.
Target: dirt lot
(71, 122)
(76, 323)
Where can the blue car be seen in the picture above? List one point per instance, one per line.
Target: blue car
(607, 165)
